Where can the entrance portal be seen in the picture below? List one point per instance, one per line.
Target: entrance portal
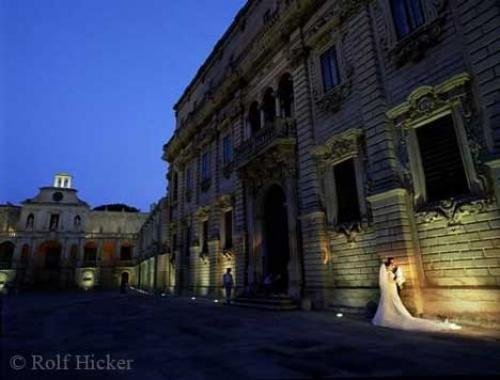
(276, 243)
(49, 264)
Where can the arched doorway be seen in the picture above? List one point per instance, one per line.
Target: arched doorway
(49, 263)
(124, 281)
(269, 106)
(276, 239)
(254, 117)
(285, 93)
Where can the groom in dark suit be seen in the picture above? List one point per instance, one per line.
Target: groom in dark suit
(391, 264)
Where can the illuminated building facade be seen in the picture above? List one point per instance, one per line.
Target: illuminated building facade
(55, 240)
(320, 137)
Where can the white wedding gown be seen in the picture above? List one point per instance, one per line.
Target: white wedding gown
(392, 313)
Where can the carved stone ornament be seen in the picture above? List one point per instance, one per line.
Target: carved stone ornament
(202, 212)
(338, 148)
(452, 210)
(412, 47)
(425, 100)
(276, 164)
(428, 102)
(204, 257)
(350, 230)
(225, 202)
(332, 100)
(228, 254)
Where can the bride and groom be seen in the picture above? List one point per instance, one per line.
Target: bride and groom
(391, 312)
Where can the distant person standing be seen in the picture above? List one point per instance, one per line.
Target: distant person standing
(228, 282)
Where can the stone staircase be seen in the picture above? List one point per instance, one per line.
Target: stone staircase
(272, 302)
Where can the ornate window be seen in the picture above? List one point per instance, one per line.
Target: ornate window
(331, 74)
(442, 164)
(77, 221)
(340, 163)
(344, 174)
(330, 69)
(410, 27)
(30, 221)
(227, 155)
(189, 184)
(205, 171)
(435, 141)
(54, 222)
(407, 15)
(227, 149)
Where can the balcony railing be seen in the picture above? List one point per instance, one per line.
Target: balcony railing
(263, 139)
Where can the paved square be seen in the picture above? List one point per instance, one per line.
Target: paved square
(94, 335)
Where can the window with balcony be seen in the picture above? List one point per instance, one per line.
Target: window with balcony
(407, 16)
(330, 69)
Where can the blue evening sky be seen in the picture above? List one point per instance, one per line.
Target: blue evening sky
(87, 87)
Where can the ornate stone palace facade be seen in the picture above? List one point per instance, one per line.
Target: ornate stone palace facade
(56, 240)
(321, 137)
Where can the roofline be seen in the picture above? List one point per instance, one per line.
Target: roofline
(217, 47)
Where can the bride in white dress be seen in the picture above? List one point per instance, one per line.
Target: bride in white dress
(392, 313)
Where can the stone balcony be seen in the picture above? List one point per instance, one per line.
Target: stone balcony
(281, 131)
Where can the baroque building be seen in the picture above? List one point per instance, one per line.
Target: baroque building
(55, 240)
(321, 137)
(155, 273)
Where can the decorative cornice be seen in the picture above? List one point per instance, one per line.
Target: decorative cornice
(338, 147)
(426, 99)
